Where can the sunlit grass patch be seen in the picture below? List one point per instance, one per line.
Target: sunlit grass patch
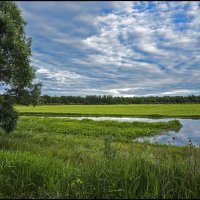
(152, 110)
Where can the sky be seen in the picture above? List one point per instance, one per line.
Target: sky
(115, 48)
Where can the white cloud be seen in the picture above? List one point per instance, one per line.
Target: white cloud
(123, 45)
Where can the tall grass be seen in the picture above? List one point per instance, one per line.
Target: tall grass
(24, 175)
(41, 160)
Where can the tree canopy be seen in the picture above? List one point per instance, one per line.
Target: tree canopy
(105, 100)
(16, 70)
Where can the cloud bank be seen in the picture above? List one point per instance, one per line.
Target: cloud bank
(115, 48)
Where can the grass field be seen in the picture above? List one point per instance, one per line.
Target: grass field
(170, 110)
(65, 158)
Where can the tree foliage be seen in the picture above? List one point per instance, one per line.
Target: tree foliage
(8, 116)
(15, 68)
(46, 99)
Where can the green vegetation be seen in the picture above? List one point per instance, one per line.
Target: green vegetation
(108, 99)
(16, 73)
(64, 158)
(155, 110)
(86, 127)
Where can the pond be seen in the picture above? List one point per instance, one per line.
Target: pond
(189, 133)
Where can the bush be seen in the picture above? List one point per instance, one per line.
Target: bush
(8, 116)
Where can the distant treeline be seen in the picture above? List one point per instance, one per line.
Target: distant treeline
(92, 100)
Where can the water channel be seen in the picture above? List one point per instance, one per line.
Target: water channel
(189, 132)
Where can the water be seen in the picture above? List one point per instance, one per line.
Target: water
(189, 131)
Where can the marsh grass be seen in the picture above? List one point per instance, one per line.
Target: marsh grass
(87, 127)
(24, 175)
(41, 160)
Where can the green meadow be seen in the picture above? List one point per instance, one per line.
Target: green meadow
(67, 158)
(135, 48)
(169, 110)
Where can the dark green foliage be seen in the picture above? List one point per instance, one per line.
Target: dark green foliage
(102, 100)
(8, 116)
(15, 69)
(27, 96)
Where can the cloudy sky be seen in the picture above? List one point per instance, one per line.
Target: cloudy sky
(115, 48)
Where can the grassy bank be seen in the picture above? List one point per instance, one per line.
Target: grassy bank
(155, 110)
(64, 158)
(87, 127)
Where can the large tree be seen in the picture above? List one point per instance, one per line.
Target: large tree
(16, 71)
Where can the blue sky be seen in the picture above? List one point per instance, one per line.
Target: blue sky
(115, 48)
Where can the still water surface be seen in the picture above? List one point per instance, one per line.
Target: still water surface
(189, 131)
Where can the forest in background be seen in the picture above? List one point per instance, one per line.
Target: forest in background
(103, 100)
